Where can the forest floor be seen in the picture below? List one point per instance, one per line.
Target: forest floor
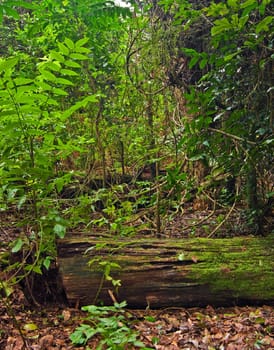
(233, 328)
(49, 326)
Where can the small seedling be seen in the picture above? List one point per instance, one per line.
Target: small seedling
(110, 325)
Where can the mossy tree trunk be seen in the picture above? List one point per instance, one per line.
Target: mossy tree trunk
(162, 273)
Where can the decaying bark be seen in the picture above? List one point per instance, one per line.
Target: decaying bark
(161, 273)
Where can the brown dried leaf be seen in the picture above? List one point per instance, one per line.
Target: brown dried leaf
(46, 341)
(66, 315)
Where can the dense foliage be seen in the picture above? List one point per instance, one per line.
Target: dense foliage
(112, 114)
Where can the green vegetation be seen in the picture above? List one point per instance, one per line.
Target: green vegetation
(113, 119)
(109, 322)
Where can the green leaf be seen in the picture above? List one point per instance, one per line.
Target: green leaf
(63, 49)
(44, 86)
(21, 201)
(26, 108)
(9, 11)
(72, 64)
(38, 97)
(25, 90)
(55, 66)
(206, 143)
(203, 63)
(18, 244)
(78, 56)
(79, 105)
(8, 63)
(59, 183)
(86, 100)
(58, 91)
(220, 25)
(193, 61)
(260, 320)
(82, 50)
(81, 42)
(242, 21)
(57, 56)
(48, 75)
(30, 327)
(268, 141)
(264, 24)
(270, 195)
(22, 81)
(233, 3)
(6, 289)
(52, 102)
(82, 334)
(46, 262)
(10, 112)
(36, 269)
(10, 84)
(229, 57)
(248, 3)
(262, 7)
(64, 81)
(150, 318)
(25, 4)
(4, 94)
(59, 230)
(69, 43)
(68, 72)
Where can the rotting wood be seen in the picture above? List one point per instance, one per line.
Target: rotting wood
(161, 273)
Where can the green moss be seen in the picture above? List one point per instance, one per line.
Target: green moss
(247, 270)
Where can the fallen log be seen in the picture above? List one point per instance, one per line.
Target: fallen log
(162, 273)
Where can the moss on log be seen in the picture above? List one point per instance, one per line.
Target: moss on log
(162, 273)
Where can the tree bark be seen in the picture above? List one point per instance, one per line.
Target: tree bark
(162, 273)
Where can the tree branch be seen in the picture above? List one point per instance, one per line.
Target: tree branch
(232, 136)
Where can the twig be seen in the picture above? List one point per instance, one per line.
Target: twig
(112, 296)
(226, 217)
(232, 136)
(202, 220)
(11, 313)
